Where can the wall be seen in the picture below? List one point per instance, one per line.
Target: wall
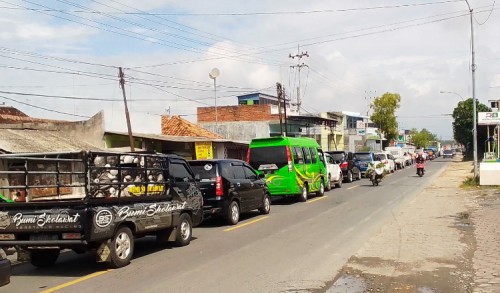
(236, 113)
(239, 131)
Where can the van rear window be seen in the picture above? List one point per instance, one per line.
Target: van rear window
(268, 155)
(204, 169)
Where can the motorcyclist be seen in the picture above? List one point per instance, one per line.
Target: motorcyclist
(420, 158)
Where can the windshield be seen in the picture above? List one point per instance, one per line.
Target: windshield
(268, 155)
(447, 152)
(363, 157)
(337, 156)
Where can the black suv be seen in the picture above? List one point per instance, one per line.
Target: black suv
(230, 187)
(347, 164)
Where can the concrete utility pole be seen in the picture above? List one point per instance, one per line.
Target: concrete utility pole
(473, 68)
(299, 66)
(121, 75)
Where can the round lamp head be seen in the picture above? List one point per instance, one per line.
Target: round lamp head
(214, 73)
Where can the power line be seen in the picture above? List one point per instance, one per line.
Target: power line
(42, 108)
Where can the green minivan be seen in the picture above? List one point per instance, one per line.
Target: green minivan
(293, 166)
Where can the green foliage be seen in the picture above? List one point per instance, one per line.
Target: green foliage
(470, 182)
(462, 126)
(422, 138)
(364, 149)
(384, 114)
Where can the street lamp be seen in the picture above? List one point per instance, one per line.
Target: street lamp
(473, 68)
(213, 75)
(443, 92)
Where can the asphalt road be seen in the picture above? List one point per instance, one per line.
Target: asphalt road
(297, 247)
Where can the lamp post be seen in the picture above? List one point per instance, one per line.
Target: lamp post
(213, 75)
(443, 92)
(473, 68)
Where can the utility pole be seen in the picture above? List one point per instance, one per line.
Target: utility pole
(284, 106)
(127, 116)
(279, 91)
(299, 67)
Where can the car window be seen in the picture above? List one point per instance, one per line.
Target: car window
(307, 155)
(338, 156)
(206, 170)
(298, 155)
(268, 155)
(238, 172)
(249, 173)
(313, 155)
(330, 159)
(364, 157)
(180, 172)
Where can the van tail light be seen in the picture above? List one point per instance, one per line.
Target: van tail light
(343, 165)
(248, 156)
(218, 187)
(386, 162)
(289, 158)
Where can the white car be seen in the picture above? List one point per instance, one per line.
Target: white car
(334, 173)
(389, 165)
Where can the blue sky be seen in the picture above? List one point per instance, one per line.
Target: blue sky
(357, 50)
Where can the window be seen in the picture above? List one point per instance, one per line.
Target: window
(307, 155)
(238, 172)
(298, 155)
(249, 173)
(180, 172)
(313, 155)
(268, 155)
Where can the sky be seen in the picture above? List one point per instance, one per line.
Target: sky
(357, 50)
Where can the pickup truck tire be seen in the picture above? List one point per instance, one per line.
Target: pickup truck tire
(184, 230)
(266, 205)
(233, 213)
(44, 257)
(122, 247)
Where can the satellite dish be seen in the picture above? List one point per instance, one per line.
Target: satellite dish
(214, 73)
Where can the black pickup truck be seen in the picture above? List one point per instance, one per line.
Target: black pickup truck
(95, 201)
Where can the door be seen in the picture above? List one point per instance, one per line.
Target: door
(241, 186)
(313, 167)
(256, 191)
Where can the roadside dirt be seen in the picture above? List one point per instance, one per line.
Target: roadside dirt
(428, 247)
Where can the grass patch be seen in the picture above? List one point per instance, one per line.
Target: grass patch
(470, 182)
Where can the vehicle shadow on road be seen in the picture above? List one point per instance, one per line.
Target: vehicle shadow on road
(219, 221)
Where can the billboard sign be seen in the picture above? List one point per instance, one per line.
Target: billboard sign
(488, 118)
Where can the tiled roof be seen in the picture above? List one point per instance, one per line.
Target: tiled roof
(177, 126)
(11, 115)
(34, 141)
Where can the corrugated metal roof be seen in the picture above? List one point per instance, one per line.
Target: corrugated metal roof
(34, 141)
(175, 138)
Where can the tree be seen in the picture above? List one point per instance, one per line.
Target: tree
(462, 126)
(384, 114)
(423, 138)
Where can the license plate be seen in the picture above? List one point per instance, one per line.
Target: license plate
(43, 237)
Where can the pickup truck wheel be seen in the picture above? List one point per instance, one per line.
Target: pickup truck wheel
(266, 205)
(233, 213)
(44, 257)
(321, 190)
(304, 193)
(328, 186)
(184, 230)
(122, 247)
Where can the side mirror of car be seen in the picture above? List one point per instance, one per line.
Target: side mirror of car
(197, 178)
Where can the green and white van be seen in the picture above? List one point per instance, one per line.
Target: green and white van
(293, 166)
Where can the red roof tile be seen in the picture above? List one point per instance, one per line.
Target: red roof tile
(11, 115)
(177, 126)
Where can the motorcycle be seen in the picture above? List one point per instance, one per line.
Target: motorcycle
(420, 168)
(376, 173)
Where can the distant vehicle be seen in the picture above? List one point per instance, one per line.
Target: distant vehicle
(293, 166)
(363, 159)
(5, 268)
(448, 154)
(430, 154)
(350, 170)
(389, 164)
(230, 187)
(399, 159)
(334, 173)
